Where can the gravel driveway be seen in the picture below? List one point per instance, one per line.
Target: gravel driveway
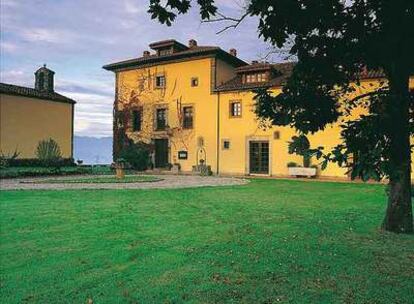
(167, 182)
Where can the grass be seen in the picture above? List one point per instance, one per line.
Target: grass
(102, 180)
(265, 242)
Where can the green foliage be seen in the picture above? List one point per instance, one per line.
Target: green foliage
(292, 164)
(300, 145)
(166, 14)
(35, 162)
(27, 171)
(336, 43)
(137, 155)
(300, 242)
(48, 152)
(13, 172)
(121, 163)
(6, 159)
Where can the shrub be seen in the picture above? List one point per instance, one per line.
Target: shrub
(13, 172)
(121, 163)
(6, 159)
(48, 152)
(300, 145)
(137, 155)
(292, 164)
(35, 162)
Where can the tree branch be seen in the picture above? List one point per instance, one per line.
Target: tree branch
(223, 18)
(359, 97)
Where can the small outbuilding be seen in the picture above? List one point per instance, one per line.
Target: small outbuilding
(30, 115)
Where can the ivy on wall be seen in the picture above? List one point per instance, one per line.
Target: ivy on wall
(136, 91)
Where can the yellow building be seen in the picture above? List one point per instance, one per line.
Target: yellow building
(195, 103)
(30, 115)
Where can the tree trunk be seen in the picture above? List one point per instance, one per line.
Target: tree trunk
(399, 214)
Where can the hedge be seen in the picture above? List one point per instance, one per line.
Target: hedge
(35, 162)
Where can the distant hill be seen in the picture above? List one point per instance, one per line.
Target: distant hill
(93, 150)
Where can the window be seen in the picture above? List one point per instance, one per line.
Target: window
(163, 52)
(235, 109)
(137, 120)
(161, 119)
(194, 82)
(188, 114)
(226, 144)
(250, 78)
(257, 77)
(261, 77)
(160, 81)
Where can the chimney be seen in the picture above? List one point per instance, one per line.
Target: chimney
(146, 54)
(44, 79)
(192, 43)
(233, 52)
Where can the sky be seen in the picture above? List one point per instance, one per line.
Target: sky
(75, 38)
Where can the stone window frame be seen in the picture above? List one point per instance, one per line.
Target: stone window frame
(231, 108)
(157, 76)
(188, 105)
(163, 106)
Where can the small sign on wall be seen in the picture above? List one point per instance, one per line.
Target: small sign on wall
(182, 154)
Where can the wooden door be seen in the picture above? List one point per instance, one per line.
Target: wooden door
(259, 157)
(161, 153)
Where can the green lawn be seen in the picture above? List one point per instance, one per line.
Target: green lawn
(266, 242)
(102, 180)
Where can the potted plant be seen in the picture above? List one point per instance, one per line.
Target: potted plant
(292, 165)
(300, 145)
(120, 165)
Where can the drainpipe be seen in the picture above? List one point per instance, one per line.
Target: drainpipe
(72, 132)
(218, 134)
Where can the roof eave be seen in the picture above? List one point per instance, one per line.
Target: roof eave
(219, 90)
(133, 63)
(68, 101)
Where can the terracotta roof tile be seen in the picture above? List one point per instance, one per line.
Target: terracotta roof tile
(11, 89)
(284, 69)
(255, 67)
(169, 42)
(196, 51)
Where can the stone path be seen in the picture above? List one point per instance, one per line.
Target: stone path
(167, 182)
